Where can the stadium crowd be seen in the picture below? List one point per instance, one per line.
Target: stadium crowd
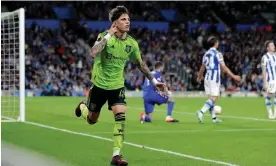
(234, 12)
(58, 61)
(62, 65)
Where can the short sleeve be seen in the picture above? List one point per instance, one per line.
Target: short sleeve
(263, 61)
(135, 55)
(220, 57)
(100, 36)
(204, 60)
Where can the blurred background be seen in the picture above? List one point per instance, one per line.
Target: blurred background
(59, 36)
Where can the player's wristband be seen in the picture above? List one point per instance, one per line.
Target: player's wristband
(107, 36)
(154, 81)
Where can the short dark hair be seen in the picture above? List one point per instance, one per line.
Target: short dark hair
(115, 13)
(212, 41)
(267, 43)
(158, 64)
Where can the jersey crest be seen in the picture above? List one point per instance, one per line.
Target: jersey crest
(128, 48)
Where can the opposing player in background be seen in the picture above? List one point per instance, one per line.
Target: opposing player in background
(112, 50)
(153, 96)
(212, 62)
(269, 77)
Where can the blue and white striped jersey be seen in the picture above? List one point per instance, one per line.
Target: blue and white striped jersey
(212, 59)
(269, 64)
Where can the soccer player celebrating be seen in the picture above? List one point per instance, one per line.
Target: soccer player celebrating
(269, 77)
(212, 62)
(153, 96)
(111, 51)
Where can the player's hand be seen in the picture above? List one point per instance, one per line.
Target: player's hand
(166, 91)
(264, 87)
(198, 79)
(113, 29)
(160, 86)
(237, 78)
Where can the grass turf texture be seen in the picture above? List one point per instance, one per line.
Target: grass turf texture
(234, 141)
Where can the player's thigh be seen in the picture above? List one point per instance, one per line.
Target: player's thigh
(207, 87)
(271, 87)
(96, 99)
(159, 98)
(116, 98)
(214, 89)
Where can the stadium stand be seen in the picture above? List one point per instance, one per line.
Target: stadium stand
(58, 60)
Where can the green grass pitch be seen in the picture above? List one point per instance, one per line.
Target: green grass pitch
(246, 137)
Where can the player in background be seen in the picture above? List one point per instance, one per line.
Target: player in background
(269, 77)
(111, 51)
(213, 63)
(153, 96)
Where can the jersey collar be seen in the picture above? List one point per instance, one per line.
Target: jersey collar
(212, 48)
(270, 54)
(157, 71)
(119, 38)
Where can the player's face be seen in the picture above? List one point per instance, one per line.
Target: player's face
(217, 44)
(123, 23)
(271, 47)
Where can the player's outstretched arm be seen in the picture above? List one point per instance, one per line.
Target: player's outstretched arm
(101, 42)
(136, 58)
(99, 46)
(200, 73)
(229, 72)
(145, 70)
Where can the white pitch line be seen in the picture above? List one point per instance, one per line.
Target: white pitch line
(7, 119)
(153, 131)
(185, 131)
(134, 145)
(224, 116)
(238, 130)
